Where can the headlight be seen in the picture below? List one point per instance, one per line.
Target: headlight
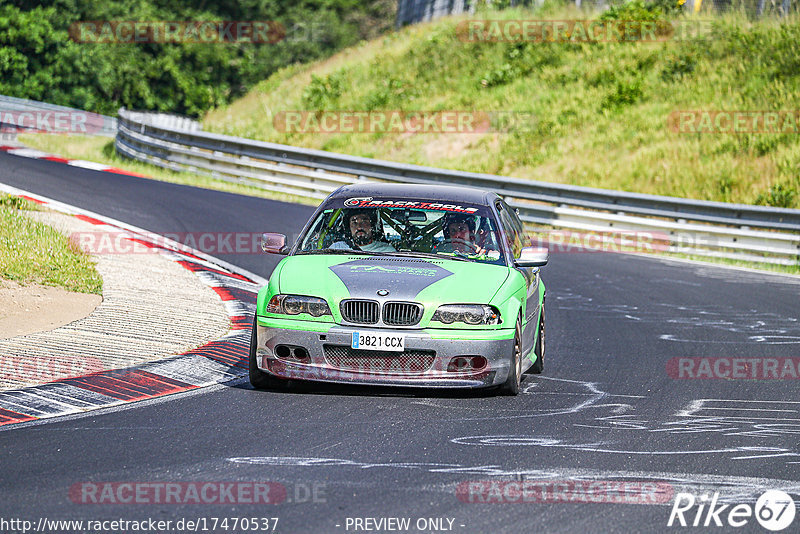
(466, 313)
(296, 304)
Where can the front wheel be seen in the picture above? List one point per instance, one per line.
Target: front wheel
(512, 383)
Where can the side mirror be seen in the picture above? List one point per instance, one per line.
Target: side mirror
(274, 243)
(533, 257)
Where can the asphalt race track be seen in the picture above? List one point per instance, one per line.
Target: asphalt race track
(606, 411)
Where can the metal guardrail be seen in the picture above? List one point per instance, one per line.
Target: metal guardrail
(165, 120)
(92, 123)
(736, 231)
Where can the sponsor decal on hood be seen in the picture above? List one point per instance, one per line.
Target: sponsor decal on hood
(363, 278)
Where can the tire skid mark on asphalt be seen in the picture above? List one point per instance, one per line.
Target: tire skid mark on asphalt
(588, 395)
(733, 489)
(215, 362)
(739, 419)
(530, 441)
(694, 321)
(736, 421)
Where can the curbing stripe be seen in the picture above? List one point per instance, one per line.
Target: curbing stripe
(38, 154)
(64, 394)
(8, 417)
(129, 384)
(241, 322)
(209, 271)
(34, 405)
(223, 294)
(56, 159)
(31, 199)
(195, 370)
(88, 219)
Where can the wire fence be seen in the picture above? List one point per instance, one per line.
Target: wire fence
(753, 8)
(414, 11)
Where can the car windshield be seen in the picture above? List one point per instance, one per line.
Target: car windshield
(413, 228)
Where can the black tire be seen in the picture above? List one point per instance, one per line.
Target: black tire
(538, 365)
(258, 378)
(512, 383)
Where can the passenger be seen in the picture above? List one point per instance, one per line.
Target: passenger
(363, 226)
(459, 233)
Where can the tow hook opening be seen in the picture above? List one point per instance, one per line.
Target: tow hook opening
(461, 364)
(292, 353)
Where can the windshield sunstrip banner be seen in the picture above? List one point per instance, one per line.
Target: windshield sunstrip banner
(371, 202)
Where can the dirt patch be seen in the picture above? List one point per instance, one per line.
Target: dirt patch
(34, 308)
(446, 146)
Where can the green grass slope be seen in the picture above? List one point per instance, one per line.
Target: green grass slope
(601, 109)
(35, 253)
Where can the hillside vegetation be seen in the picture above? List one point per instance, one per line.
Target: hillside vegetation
(599, 110)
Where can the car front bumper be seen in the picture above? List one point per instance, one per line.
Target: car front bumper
(423, 363)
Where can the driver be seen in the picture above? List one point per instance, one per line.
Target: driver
(363, 226)
(459, 232)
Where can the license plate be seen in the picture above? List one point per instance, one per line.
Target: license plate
(392, 342)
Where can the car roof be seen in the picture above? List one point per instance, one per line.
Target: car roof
(436, 192)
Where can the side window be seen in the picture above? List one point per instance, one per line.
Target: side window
(512, 226)
(517, 224)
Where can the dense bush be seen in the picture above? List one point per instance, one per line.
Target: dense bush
(38, 60)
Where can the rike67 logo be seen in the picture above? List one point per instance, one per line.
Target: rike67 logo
(774, 510)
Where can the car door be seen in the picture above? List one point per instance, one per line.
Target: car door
(514, 235)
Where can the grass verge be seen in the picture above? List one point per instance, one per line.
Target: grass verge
(770, 267)
(34, 253)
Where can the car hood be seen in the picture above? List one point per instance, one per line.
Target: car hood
(428, 281)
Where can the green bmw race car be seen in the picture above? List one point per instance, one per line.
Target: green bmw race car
(401, 285)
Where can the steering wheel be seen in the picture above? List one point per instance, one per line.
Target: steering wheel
(461, 245)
